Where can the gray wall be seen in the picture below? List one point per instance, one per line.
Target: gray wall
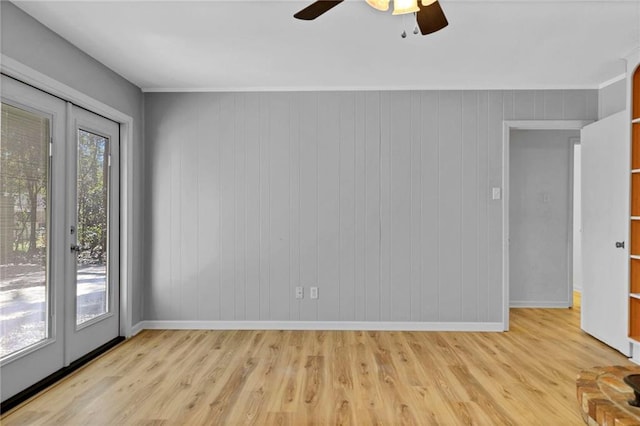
(381, 199)
(612, 99)
(540, 216)
(29, 42)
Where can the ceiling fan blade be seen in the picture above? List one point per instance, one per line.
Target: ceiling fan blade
(431, 18)
(316, 9)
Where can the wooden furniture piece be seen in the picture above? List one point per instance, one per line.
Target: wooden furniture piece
(634, 234)
(633, 380)
(603, 396)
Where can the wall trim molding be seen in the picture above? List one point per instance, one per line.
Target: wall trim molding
(242, 89)
(137, 328)
(319, 325)
(542, 305)
(40, 81)
(612, 81)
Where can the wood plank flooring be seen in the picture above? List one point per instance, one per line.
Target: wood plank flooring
(523, 377)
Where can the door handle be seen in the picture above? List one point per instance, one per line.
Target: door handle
(75, 247)
(620, 244)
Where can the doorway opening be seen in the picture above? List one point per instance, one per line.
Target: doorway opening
(537, 208)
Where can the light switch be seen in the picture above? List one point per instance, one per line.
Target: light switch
(496, 194)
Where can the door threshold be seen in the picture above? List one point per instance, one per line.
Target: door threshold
(52, 379)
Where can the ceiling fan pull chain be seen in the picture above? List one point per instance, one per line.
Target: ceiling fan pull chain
(404, 26)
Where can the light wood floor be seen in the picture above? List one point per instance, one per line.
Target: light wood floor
(523, 377)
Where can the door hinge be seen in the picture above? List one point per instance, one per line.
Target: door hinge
(109, 160)
(51, 148)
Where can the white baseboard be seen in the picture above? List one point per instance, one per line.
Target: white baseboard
(320, 325)
(534, 304)
(137, 328)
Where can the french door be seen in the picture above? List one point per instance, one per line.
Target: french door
(59, 234)
(93, 196)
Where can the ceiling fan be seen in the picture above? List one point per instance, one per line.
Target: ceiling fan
(429, 15)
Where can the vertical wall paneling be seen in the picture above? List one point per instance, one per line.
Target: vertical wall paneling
(294, 203)
(382, 200)
(347, 194)
(386, 297)
(553, 104)
(204, 250)
(279, 205)
(373, 185)
(227, 205)
(175, 227)
(157, 301)
(308, 203)
(538, 105)
(264, 210)
(252, 179)
(482, 195)
(575, 105)
(524, 104)
(400, 206)
(360, 207)
(415, 172)
(210, 216)
(239, 155)
(508, 105)
(188, 196)
(328, 206)
(429, 210)
(449, 203)
(469, 206)
(494, 209)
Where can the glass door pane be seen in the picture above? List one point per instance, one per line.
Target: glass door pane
(92, 291)
(24, 187)
(93, 153)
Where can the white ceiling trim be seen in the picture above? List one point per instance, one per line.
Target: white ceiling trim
(612, 81)
(363, 89)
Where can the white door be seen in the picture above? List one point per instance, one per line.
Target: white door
(605, 221)
(59, 235)
(93, 292)
(32, 191)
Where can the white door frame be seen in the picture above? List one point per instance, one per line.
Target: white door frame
(28, 75)
(507, 126)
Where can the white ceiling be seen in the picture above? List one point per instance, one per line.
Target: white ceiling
(258, 45)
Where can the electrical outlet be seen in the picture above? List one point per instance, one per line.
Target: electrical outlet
(313, 292)
(299, 293)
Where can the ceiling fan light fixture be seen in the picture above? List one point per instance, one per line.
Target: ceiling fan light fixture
(401, 7)
(382, 5)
